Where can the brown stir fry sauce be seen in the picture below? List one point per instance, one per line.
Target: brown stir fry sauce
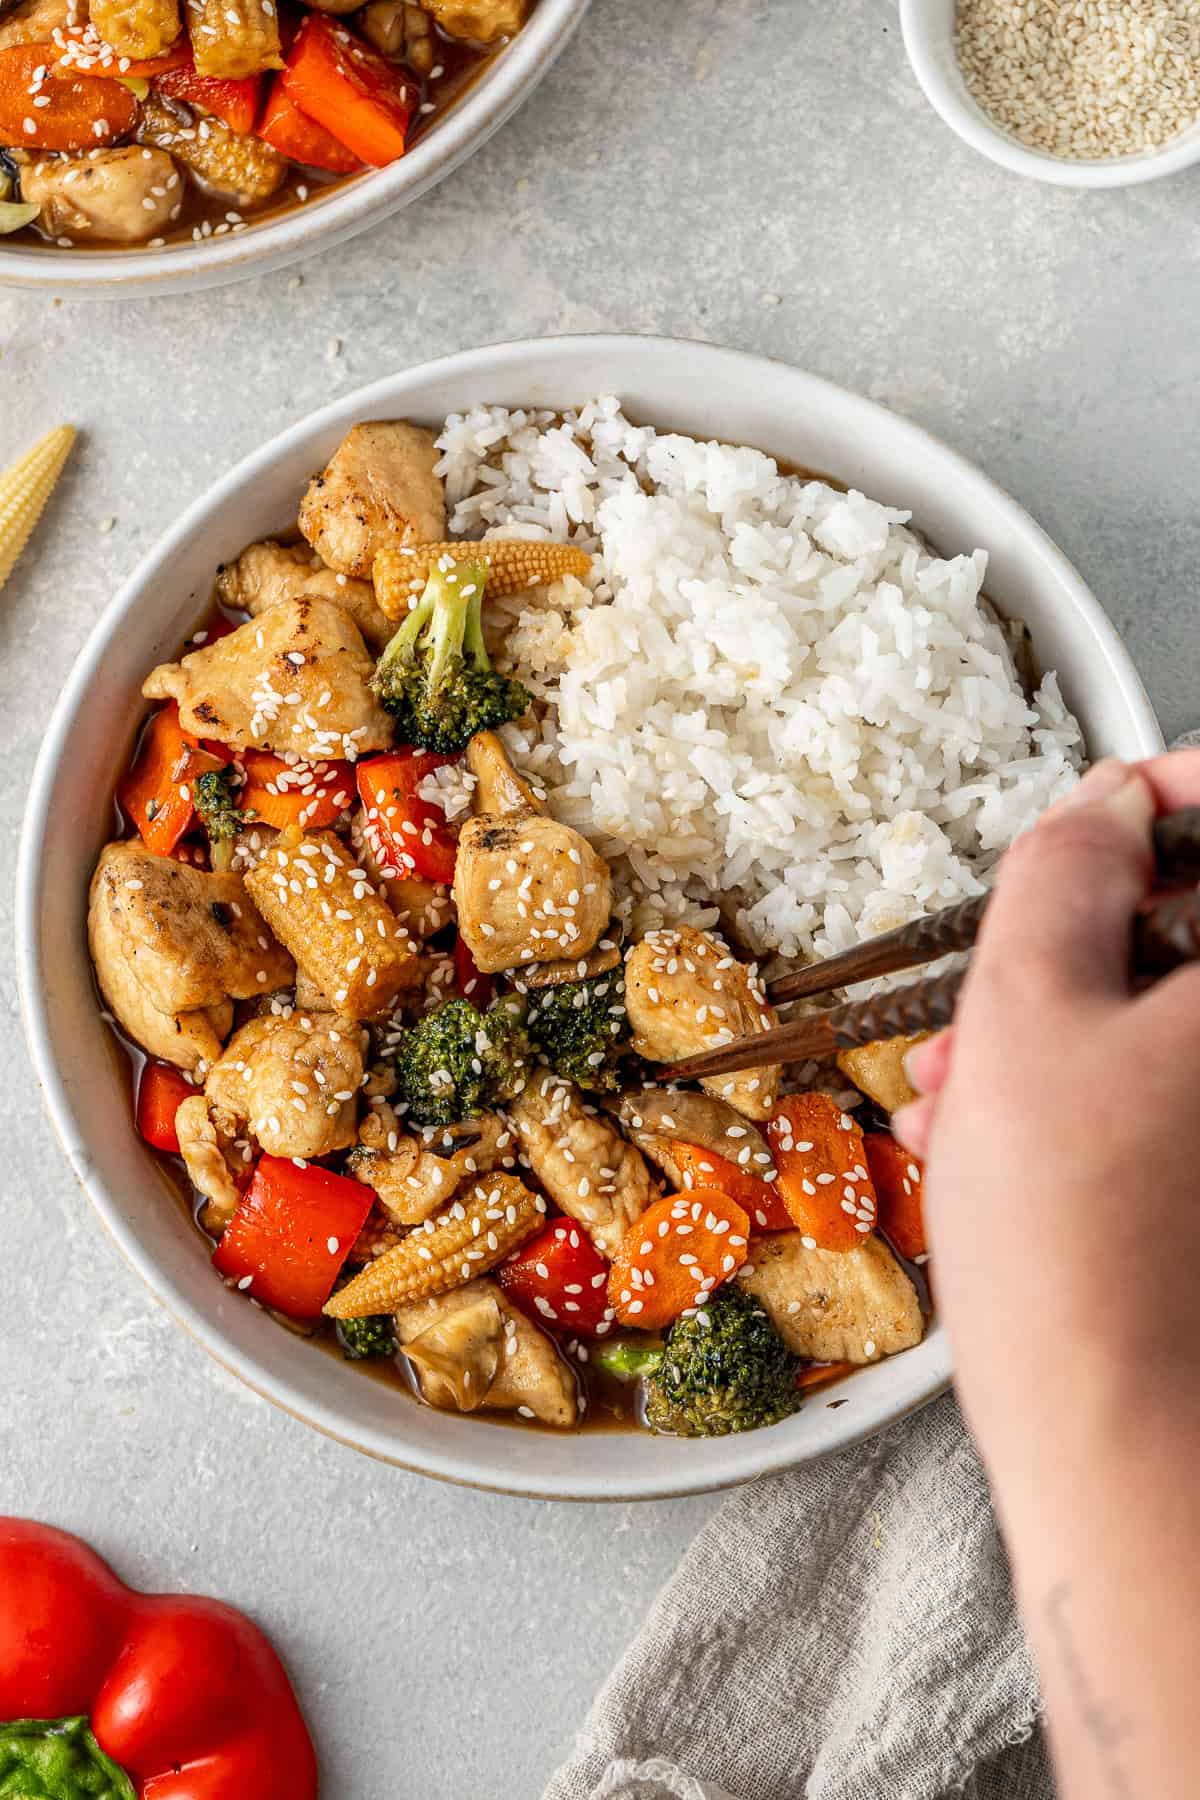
(179, 173)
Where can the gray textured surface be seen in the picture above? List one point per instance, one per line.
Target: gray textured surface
(759, 172)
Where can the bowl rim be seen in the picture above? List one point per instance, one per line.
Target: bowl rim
(924, 37)
(742, 1458)
(348, 208)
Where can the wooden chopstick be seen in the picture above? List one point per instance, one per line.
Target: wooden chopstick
(1164, 937)
(1176, 853)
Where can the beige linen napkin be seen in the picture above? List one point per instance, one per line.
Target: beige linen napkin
(842, 1632)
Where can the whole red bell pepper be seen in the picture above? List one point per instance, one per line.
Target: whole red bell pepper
(131, 1696)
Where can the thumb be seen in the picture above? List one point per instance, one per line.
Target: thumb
(1067, 892)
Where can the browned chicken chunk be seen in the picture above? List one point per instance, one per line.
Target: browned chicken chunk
(472, 1348)
(378, 492)
(191, 1039)
(295, 679)
(192, 939)
(585, 1165)
(656, 1118)
(342, 934)
(414, 1175)
(122, 196)
(526, 889)
(685, 993)
(878, 1069)
(481, 21)
(293, 1082)
(137, 29)
(267, 574)
(211, 1161)
(36, 21)
(835, 1305)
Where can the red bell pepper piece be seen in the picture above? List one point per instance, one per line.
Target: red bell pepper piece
(560, 1280)
(413, 836)
(469, 980)
(161, 1092)
(300, 138)
(184, 1694)
(157, 791)
(897, 1176)
(236, 102)
(338, 80)
(702, 1168)
(295, 1227)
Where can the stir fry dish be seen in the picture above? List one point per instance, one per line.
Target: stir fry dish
(151, 122)
(394, 1026)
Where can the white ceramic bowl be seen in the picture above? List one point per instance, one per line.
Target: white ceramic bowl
(928, 29)
(329, 217)
(697, 389)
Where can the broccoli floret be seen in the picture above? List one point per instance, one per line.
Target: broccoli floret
(458, 1062)
(731, 1373)
(215, 800)
(435, 675)
(582, 1030)
(628, 1358)
(363, 1338)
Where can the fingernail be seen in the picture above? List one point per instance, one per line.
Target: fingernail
(912, 1067)
(1102, 781)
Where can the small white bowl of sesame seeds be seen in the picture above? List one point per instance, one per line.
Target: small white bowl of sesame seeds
(1080, 93)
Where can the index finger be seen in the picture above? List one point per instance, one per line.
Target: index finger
(1173, 779)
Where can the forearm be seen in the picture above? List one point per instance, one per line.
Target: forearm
(1099, 1506)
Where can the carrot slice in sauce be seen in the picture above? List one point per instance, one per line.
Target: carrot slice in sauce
(301, 139)
(363, 100)
(43, 109)
(157, 791)
(702, 1168)
(897, 1176)
(680, 1250)
(824, 1178)
(282, 793)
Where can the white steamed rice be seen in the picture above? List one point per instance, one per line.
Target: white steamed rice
(773, 696)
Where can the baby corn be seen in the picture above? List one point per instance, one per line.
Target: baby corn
(400, 575)
(232, 39)
(479, 1229)
(24, 491)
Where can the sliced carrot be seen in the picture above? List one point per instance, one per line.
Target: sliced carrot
(308, 794)
(898, 1183)
(157, 792)
(79, 112)
(702, 1168)
(824, 1179)
(236, 102)
(338, 80)
(680, 1250)
(81, 50)
(817, 1374)
(301, 139)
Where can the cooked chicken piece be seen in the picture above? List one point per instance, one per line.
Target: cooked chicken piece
(191, 938)
(500, 788)
(342, 934)
(35, 21)
(414, 1175)
(243, 170)
(136, 29)
(267, 574)
(835, 1305)
(585, 1165)
(122, 196)
(878, 1069)
(377, 1237)
(514, 1364)
(190, 1040)
(295, 679)
(656, 1118)
(403, 32)
(308, 996)
(684, 993)
(211, 1161)
(293, 1082)
(378, 492)
(528, 887)
(481, 21)
(421, 906)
